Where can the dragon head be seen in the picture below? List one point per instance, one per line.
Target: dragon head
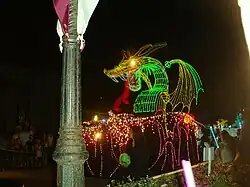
(125, 69)
(130, 64)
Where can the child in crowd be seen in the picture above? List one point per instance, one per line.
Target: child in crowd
(228, 147)
(38, 149)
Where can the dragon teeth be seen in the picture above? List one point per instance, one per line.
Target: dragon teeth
(114, 79)
(123, 78)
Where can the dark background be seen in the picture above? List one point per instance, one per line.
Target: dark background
(207, 34)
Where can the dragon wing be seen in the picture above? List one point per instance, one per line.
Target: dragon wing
(189, 85)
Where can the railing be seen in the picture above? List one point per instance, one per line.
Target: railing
(171, 179)
(178, 171)
(10, 159)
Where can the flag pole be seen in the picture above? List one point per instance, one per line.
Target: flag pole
(70, 153)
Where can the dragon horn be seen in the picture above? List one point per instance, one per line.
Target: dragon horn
(124, 54)
(148, 49)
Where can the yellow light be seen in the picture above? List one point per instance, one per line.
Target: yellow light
(188, 119)
(222, 122)
(98, 135)
(245, 14)
(132, 63)
(95, 118)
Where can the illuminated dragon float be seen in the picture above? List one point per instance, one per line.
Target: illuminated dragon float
(139, 67)
(174, 131)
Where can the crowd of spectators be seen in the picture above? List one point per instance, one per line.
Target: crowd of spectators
(31, 148)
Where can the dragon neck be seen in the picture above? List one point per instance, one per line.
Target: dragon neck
(151, 66)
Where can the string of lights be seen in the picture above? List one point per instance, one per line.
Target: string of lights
(188, 87)
(112, 137)
(173, 130)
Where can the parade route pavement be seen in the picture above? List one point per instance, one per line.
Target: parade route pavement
(42, 177)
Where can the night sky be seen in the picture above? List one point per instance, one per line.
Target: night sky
(208, 35)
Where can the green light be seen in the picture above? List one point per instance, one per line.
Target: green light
(138, 68)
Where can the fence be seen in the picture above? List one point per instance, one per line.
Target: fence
(171, 179)
(178, 171)
(10, 159)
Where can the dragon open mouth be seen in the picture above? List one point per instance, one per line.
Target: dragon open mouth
(123, 71)
(122, 77)
(115, 76)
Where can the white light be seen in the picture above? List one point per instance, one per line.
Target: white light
(245, 15)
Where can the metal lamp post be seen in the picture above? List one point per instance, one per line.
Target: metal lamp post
(70, 153)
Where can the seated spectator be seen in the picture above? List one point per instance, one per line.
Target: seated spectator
(16, 135)
(38, 150)
(228, 147)
(29, 146)
(31, 131)
(45, 145)
(24, 135)
(45, 142)
(17, 145)
(50, 140)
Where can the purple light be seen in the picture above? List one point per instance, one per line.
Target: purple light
(188, 173)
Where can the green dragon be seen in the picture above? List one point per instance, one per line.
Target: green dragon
(139, 67)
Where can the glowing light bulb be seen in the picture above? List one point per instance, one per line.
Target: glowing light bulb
(98, 135)
(132, 63)
(95, 118)
(188, 119)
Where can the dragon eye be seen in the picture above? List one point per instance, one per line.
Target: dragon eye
(132, 63)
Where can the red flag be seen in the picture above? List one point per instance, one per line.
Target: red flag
(62, 11)
(85, 11)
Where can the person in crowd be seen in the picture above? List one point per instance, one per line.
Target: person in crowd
(123, 172)
(24, 135)
(137, 150)
(31, 130)
(45, 145)
(45, 142)
(29, 153)
(39, 153)
(227, 147)
(29, 148)
(16, 135)
(204, 142)
(50, 140)
(17, 145)
(199, 136)
(205, 139)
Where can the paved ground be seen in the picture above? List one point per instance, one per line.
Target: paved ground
(42, 178)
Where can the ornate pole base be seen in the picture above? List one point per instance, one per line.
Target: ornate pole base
(70, 155)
